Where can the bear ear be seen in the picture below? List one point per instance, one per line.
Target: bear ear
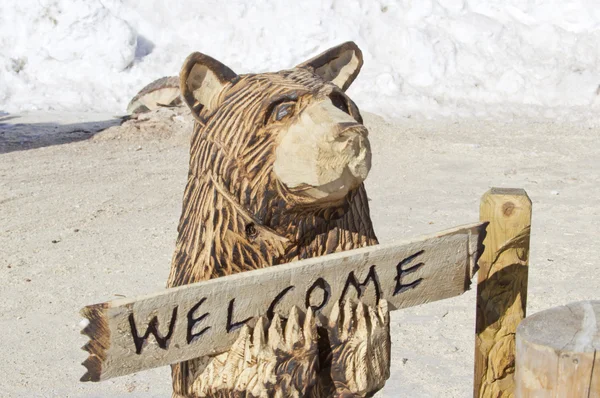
(201, 80)
(339, 65)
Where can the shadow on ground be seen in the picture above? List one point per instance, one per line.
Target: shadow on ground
(18, 133)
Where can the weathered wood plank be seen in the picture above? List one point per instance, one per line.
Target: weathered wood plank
(501, 289)
(129, 335)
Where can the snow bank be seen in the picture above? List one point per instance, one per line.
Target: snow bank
(479, 58)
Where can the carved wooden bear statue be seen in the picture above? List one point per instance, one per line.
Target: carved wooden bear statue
(277, 165)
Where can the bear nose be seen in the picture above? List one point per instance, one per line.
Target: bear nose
(353, 136)
(352, 128)
(356, 149)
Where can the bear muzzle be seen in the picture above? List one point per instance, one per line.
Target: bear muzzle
(323, 156)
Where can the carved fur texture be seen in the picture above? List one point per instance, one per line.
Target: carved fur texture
(281, 358)
(238, 215)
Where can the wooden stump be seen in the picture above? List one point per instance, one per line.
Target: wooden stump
(557, 352)
(501, 289)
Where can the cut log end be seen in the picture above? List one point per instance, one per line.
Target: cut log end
(161, 92)
(557, 352)
(574, 327)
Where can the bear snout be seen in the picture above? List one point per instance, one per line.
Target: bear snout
(324, 155)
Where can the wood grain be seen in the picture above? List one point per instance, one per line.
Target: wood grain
(205, 318)
(501, 289)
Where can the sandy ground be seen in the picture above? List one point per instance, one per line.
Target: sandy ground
(87, 217)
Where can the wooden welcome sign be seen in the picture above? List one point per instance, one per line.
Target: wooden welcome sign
(178, 324)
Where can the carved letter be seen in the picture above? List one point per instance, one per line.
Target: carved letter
(235, 325)
(193, 321)
(323, 285)
(152, 328)
(351, 280)
(277, 299)
(400, 272)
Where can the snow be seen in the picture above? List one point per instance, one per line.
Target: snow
(477, 58)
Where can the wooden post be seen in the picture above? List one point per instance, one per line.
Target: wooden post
(558, 352)
(501, 289)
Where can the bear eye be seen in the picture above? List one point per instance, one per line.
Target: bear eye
(339, 101)
(282, 111)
